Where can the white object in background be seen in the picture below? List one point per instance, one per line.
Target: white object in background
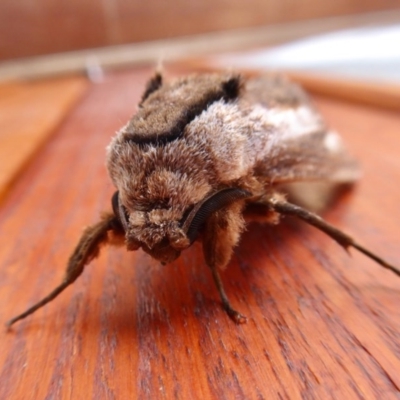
(365, 53)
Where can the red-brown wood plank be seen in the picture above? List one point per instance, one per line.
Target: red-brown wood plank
(321, 324)
(29, 114)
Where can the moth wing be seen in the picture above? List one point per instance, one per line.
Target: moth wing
(303, 157)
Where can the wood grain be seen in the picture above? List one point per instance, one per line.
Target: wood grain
(322, 325)
(30, 112)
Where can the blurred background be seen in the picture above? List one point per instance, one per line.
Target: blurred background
(45, 37)
(345, 49)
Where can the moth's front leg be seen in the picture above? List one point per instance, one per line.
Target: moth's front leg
(221, 233)
(107, 230)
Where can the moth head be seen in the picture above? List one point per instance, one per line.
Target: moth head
(155, 231)
(164, 238)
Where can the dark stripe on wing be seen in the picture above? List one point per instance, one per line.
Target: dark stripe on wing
(167, 110)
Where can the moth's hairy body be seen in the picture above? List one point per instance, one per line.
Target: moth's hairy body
(199, 153)
(268, 134)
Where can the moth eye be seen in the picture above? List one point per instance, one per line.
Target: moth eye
(120, 211)
(115, 203)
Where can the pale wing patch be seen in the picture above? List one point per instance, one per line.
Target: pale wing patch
(272, 128)
(292, 122)
(294, 144)
(240, 137)
(289, 141)
(333, 142)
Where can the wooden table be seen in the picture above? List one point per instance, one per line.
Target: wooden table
(320, 325)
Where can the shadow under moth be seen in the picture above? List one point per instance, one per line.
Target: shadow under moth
(199, 155)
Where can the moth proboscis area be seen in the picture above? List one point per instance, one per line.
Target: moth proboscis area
(198, 154)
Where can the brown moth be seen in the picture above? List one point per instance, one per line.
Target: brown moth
(203, 151)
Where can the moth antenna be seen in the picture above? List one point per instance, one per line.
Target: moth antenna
(196, 218)
(343, 239)
(88, 248)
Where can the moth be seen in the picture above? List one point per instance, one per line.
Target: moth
(201, 153)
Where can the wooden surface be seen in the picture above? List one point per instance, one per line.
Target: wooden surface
(321, 324)
(33, 28)
(29, 113)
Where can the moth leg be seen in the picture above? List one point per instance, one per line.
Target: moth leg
(87, 249)
(221, 233)
(346, 241)
(236, 316)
